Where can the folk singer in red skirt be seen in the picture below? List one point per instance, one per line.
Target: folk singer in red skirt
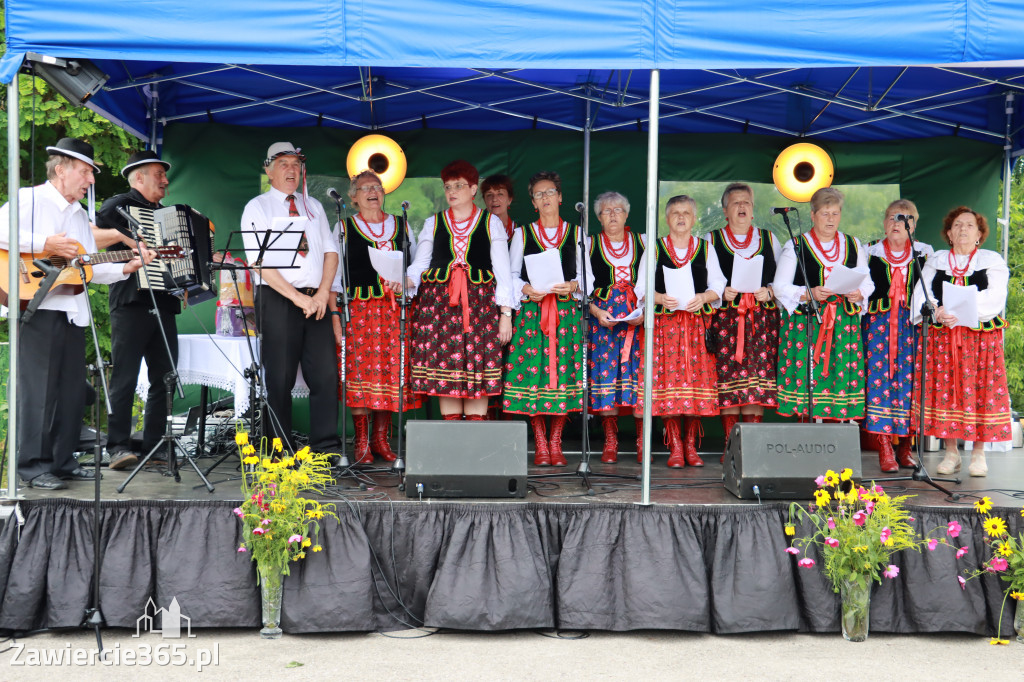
(966, 396)
(684, 378)
(464, 306)
(371, 355)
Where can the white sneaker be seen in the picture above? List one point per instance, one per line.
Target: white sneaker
(978, 467)
(950, 464)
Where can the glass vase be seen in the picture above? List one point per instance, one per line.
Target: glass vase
(855, 595)
(271, 592)
(1018, 621)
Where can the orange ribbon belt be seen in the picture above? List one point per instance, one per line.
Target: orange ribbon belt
(458, 292)
(828, 323)
(747, 303)
(549, 325)
(897, 297)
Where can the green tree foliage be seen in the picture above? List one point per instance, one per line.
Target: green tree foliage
(1013, 335)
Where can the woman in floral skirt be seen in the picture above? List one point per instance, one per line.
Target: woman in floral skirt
(836, 343)
(544, 373)
(464, 306)
(684, 378)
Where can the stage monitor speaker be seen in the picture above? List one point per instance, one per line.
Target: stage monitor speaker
(77, 79)
(782, 460)
(465, 459)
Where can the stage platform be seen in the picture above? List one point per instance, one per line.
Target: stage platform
(696, 559)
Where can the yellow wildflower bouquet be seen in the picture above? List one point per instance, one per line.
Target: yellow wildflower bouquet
(280, 524)
(857, 529)
(1007, 560)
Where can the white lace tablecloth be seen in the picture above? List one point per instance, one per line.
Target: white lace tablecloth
(218, 362)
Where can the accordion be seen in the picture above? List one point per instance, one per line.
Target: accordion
(180, 225)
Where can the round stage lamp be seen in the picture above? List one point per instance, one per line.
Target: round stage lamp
(801, 170)
(380, 154)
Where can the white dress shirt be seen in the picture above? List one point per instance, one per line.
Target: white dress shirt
(788, 294)
(716, 279)
(991, 301)
(44, 212)
(259, 215)
(518, 246)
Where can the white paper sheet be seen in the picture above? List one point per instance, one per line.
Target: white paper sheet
(746, 274)
(544, 269)
(962, 302)
(679, 284)
(842, 280)
(388, 264)
(286, 233)
(634, 315)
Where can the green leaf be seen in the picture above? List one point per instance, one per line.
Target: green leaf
(294, 664)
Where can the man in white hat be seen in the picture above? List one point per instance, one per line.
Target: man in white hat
(51, 359)
(291, 302)
(134, 329)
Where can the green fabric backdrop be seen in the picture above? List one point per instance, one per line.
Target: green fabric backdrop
(216, 168)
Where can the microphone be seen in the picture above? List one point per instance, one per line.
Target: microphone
(902, 217)
(333, 193)
(782, 210)
(581, 207)
(405, 205)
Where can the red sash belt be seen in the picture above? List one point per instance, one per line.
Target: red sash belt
(897, 297)
(956, 340)
(549, 326)
(630, 307)
(458, 292)
(747, 303)
(828, 323)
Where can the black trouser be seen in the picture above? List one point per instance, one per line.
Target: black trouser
(291, 339)
(51, 394)
(134, 335)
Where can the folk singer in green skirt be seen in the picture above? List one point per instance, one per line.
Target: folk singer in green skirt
(544, 370)
(836, 344)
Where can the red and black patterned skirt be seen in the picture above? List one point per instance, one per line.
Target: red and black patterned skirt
(372, 358)
(684, 375)
(750, 381)
(448, 361)
(965, 386)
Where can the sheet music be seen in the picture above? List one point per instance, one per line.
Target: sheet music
(286, 234)
(679, 285)
(746, 274)
(961, 302)
(843, 280)
(544, 269)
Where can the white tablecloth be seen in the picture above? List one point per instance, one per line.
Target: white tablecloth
(219, 362)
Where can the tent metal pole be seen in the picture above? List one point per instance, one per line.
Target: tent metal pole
(13, 183)
(154, 107)
(652, 264)
(586, 160)
(1007, 176)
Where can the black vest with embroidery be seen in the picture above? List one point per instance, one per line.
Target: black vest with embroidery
(726, 255)
(881, 276)
(978, 278)
(478, 255)
(566, 251)
(815, 268)
(698, 270)
(363, 281)
(602, 268)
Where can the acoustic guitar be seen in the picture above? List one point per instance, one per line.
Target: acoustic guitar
(30, 277)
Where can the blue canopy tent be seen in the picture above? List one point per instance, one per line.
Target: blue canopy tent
(851, 71)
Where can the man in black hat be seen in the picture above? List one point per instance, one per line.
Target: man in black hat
(134, 333)
(51, 358)
(291, 302)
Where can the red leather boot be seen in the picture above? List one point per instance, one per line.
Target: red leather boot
(886, 457)
(379, 439)
(690, 444)
(728, 421)
(541, 455)
(903, 454)
(361, 444)
(477, 418)
(753, 418)
(639, 440)
(610, 455)
(555, 442)
(676, 457)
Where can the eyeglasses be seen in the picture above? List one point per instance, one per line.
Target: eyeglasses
(545, 193)
(618, 210)
(455, 186)
(369, 188)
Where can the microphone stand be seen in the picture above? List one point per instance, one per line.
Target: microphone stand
(583, 471)
(398, 466)
(815, 308)
(343, 462)
(927, 316)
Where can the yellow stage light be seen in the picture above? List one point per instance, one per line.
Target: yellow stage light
(380, 154)
(801, 170)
